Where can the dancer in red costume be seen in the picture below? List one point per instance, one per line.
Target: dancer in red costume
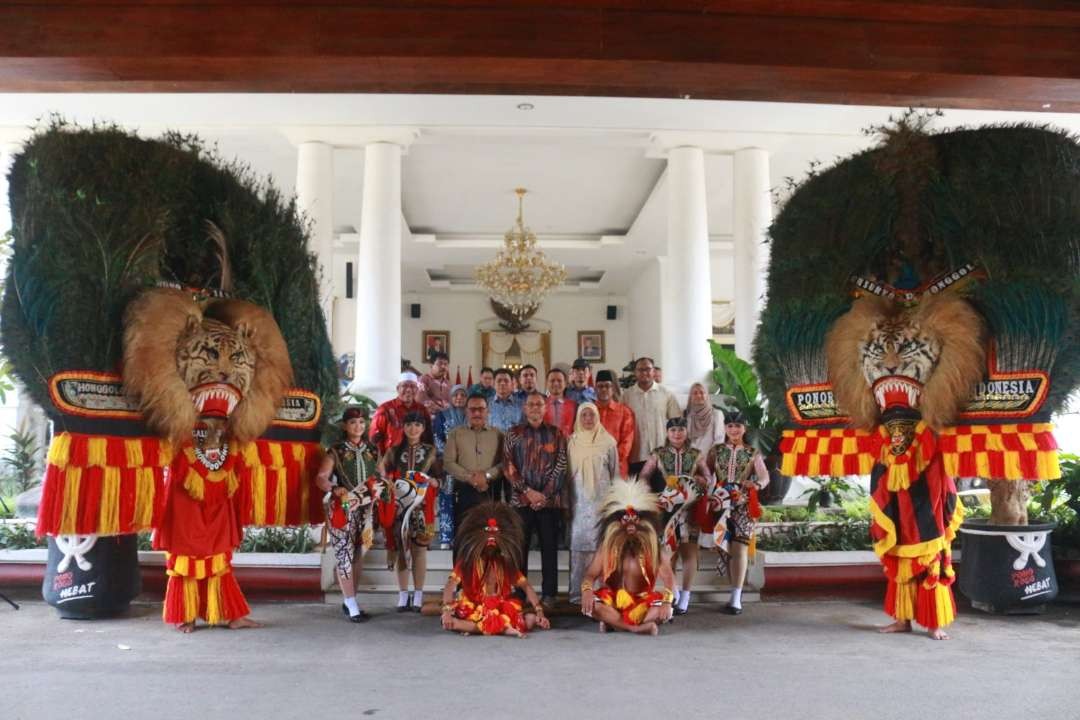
(201, 526)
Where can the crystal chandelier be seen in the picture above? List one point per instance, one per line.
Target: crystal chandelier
(520, 276)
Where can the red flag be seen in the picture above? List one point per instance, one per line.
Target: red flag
(457, 379)
(470, 377)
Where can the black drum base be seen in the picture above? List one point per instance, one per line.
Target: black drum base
(1007, 569)
(89, 577)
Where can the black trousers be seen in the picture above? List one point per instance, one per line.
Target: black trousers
(544, 523)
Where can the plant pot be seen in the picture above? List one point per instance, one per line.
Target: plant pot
(1007, 568)
(778, 486)
(98, 578)
(825, 501)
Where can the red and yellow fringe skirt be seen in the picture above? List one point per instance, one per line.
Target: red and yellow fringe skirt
(632, 607)
(493, 615)
(202, 587)
(920, 589)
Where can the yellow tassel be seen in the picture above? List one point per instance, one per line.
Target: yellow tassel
(59, 450)
(943, 605)
(200, 569)
(752, 547)
(70, 514)
(218, 566)
(144, 497)
(96, 452)
(904, 570)
(191, 599)
(194, 485)
(258, 495)
(182, 565)
(282, 496)
(213, 601)
(109, 510)
(904, 608)
(133, 452)
(299, 452)
(165, 453)
(277, 460)
(305, 496)
(787, 465)
(251, 454)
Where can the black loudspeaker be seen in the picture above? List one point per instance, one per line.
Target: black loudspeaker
(348, 280)
(414, 311)
(611, 310)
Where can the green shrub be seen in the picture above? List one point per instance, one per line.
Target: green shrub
(808, 538)
(19, 536)
(277, 540)
(20, 462)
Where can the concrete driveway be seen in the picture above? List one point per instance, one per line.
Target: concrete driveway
(778, 660)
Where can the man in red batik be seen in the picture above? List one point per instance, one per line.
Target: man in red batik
(387, 426)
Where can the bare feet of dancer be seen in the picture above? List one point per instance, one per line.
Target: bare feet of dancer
(938, 634)
(243, 623)
(602, 627)
(649, 628)
(900, 626)
(186, 628)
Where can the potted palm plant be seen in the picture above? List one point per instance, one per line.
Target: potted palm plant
(737, 387)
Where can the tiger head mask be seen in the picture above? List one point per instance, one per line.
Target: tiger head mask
(888, 360)
(197, 365)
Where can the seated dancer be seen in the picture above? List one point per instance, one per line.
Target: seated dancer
(488, 546)
(628, 563)
(201, 525)
(347, 476)
(740, 474)
(409, 469)
(679, 468)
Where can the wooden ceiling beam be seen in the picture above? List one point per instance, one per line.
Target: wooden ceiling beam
(962, 53)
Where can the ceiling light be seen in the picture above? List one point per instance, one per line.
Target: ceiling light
(525, 106)
(520, 276)
(1046, 106)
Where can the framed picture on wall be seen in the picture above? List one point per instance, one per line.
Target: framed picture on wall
(435, 341)
(590, 345)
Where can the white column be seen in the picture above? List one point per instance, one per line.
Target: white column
(687, 283)
(752, 216)
(378, 295)
(315, 198)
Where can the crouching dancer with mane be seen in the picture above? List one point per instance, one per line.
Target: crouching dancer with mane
(619, 588)
(488, 547)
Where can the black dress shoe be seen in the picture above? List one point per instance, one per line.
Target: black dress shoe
(345, 609)
(359, 617)
(403, 608)
(732, 610)
(679, 611)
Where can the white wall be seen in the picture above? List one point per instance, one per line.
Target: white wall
(460, 312)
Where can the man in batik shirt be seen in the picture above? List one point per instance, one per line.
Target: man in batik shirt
(534, 463)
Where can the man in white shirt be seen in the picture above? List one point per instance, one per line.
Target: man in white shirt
(653, 405)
